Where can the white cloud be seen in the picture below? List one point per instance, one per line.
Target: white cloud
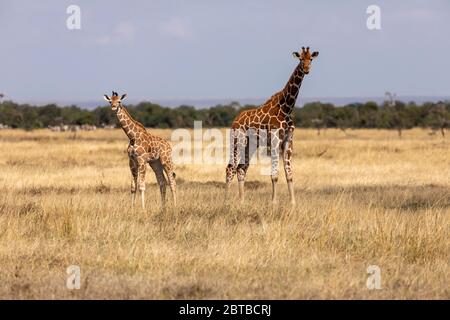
(176, 27)
(122, 33)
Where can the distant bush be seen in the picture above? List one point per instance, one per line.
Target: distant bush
(313, 115)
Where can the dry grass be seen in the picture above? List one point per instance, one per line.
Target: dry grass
(365, 198)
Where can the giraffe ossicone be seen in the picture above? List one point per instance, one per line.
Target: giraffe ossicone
(272, 122)
(144, 148)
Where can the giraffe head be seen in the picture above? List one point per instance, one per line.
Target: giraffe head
(305, 57)
(115, 100)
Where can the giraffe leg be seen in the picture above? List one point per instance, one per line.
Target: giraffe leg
(168, 168)
(274, 154)
(241, 172)
(230, 171)
(244, 163)
(232, 164)
(159, 173)
(172, 185)
(287, 162)
(243, 168)
(141, 179)
(274, 176)
(134, 175)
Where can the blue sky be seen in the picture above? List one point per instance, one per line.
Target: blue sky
(221, 49)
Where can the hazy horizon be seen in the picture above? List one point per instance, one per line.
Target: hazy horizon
(211, 102)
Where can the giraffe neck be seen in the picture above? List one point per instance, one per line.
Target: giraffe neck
(292, 88)
(127, 123)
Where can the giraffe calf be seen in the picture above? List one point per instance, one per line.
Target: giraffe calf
(144, 148)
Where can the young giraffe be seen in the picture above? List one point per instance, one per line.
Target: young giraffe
(144, 148)
(274, 118)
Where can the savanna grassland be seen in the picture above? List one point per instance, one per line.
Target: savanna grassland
(365, 197)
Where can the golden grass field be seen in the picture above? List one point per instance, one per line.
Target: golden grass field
(363, 198)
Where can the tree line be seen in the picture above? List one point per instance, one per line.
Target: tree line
(397, 116)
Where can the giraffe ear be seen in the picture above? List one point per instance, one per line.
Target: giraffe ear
(295, 55)
(106, 98)
(315, 54)
(123, 96)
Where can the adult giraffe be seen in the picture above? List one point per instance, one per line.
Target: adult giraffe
(272, 120)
